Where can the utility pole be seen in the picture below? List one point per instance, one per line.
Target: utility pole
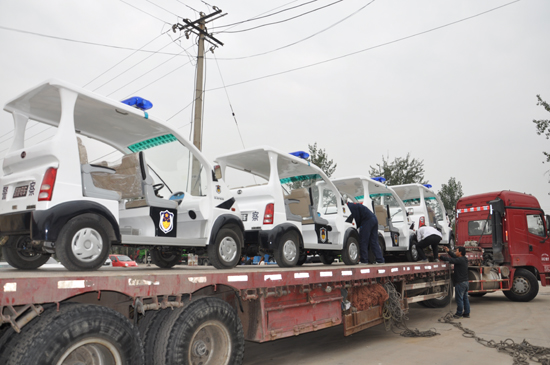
(198, 27)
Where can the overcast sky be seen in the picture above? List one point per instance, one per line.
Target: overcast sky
(452, 82)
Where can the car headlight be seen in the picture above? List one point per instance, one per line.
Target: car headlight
(125, 264)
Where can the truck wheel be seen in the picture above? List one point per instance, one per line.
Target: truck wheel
(225, 253)
(166, 257)
(83, 244)
(288, 252)
(412, 253)
(350, 253)
(327, 258)
(150, 330)
(78, 334)
(443, 300)
(20, 254)
(525, 286)
(208, 332)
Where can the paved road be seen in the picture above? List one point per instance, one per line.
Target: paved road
(494, 317)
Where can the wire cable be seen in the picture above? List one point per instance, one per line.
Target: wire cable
(366, 49)
(143, 11)
(282, 21)
(303, 39)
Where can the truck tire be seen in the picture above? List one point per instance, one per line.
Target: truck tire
(166, 257)
(350, 253)
(83, 243)
(20, 254)
(150, 334)
(443, 300)
(208, 332)
(525, 286)
(288, 251)
(77, 334)
(225, 253)
(412, 252)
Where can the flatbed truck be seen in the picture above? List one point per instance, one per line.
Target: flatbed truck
(193, 315)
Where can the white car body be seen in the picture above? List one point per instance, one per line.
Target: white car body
(303, 200)
(116, 192)
(422, 201)
(384, 202)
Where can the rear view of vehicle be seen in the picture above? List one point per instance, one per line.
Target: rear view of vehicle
(424, 204)
(291, 210)
(109, 173)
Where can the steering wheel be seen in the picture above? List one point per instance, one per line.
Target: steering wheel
(157, 188)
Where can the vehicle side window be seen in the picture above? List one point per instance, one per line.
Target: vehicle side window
(329, 205)
(535, 224)
(476, 228)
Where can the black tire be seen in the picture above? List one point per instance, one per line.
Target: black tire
(166, 257)
(151, 333)
(327, 258)
(477, 295)
(83, 243)
(442, 301)
(350, 253)
(19, 253)
(287, 253)
(302, 260)
(86, 332)
(225, 253)
(412, 252)
(525, 286)
(208, 332)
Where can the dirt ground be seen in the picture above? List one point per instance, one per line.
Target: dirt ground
(493, 317)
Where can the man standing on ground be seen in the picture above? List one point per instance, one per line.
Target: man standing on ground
(427, 236)
(459, 259)
(367, 224)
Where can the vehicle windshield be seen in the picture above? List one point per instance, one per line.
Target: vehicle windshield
(172, 164)
(316, 186)
(123, 258)
(391, 201)
(432, 203)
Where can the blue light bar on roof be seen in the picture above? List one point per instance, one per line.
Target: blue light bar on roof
(139, 103)
(428, 186)
(379, 179)
(300, 154)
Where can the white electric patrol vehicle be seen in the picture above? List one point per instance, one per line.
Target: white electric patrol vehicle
(292, 210)
(423, 204)
(394, 234)
(148, 186)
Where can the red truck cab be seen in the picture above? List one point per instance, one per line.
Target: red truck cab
(512, 231)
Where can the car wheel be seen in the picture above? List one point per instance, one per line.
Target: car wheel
(287, 253)
(225, 253)
(166, 257)
(350, 254)
(19, 253)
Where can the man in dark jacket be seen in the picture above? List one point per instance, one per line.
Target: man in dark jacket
(459, 259)
(367, 224)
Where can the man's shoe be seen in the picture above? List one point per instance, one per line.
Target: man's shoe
(466, 315)
(457, 316)
(379, 263)
(436, 260)
(423, 260)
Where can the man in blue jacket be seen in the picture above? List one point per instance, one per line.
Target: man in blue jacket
(459, 259)
(367, 224)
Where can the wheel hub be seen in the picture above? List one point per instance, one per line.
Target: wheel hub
(353, 251)
(91, 351)
(228, 249)
(521, 286)
(87, 244)
(289, 250)
(210, 345)
(200, 349)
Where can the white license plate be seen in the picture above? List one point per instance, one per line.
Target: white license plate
(20, 191)
(244, 217)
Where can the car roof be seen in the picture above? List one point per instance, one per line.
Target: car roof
(256, 161)
(353, 187)
(95, 116)
(412, 191)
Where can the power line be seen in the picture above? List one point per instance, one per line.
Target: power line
(143, 11)
(265, 16)
(282, 21)
(301, 40)
(149, 1)
(82, 42)
(366, 49)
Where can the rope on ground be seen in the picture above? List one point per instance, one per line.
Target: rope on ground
(394, 316)
(520, 352)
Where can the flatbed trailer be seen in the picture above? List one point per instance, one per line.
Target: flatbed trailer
(201, 315)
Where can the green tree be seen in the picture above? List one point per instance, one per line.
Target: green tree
(318, 157)
(543, 125)
(450, 193)
(400, 171)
